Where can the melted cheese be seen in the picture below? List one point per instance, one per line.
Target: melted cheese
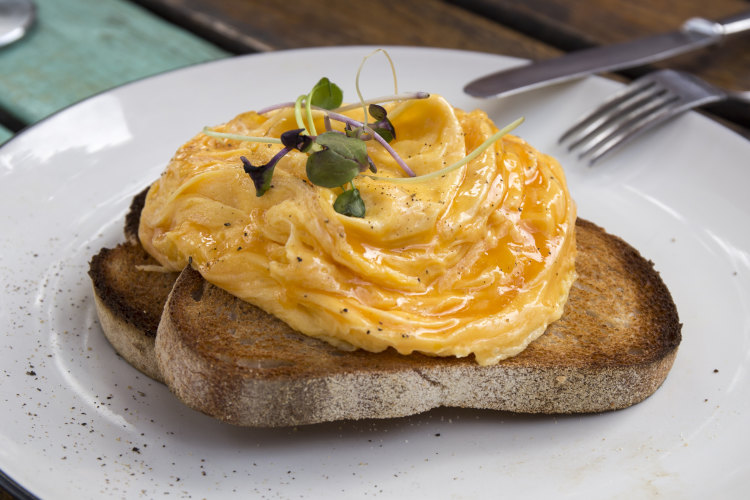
(477, 261)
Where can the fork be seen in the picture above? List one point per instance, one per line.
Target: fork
(647, 102)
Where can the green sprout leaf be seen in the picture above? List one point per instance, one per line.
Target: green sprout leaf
(326, 94)
(328, 169)
(351, 131)
(339, 162)
(350, 203)
(348, 147)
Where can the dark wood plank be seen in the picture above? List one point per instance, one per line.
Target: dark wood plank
(257, 25)
(575, 25)
(4, 495)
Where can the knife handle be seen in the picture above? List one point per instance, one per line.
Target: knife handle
(718, 29)
(735, 24)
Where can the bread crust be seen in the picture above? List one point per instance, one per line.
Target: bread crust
(612, 348)
(129, 301)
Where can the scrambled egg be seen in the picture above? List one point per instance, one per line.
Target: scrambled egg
(478, 261)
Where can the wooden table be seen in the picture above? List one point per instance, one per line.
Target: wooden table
(81, 47)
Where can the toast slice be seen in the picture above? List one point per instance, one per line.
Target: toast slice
(130, 298)
(612, 348)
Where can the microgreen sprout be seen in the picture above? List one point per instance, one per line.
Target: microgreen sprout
(336, 158)
(404, 96)
(350, 203)
(466, 159)
(239, 137)
(359, 126)
(341, 160)
(383, 126)
(359, 72)
(261, 174)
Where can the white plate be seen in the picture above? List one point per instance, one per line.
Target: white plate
(79, 422)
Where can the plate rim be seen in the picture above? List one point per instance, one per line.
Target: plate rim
(4, 478)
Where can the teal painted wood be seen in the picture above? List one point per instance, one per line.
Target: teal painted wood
(80, 47)
(4, 134)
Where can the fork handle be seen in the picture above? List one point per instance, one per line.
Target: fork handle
(741, 96)
(735, 24)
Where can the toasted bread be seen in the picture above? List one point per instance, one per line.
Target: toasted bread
(130, 300)
(612, 348)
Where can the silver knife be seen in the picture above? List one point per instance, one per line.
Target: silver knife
(694, 34)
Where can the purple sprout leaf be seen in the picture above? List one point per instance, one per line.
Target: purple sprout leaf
(382, 124)
(295, 139)
(377, 111)
(261, 175)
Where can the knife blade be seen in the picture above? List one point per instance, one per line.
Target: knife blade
(696, 33)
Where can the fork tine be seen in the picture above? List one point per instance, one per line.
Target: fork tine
(650, 104)
(632, 128)
(587, 121)
(641, 101)
(642, 105)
